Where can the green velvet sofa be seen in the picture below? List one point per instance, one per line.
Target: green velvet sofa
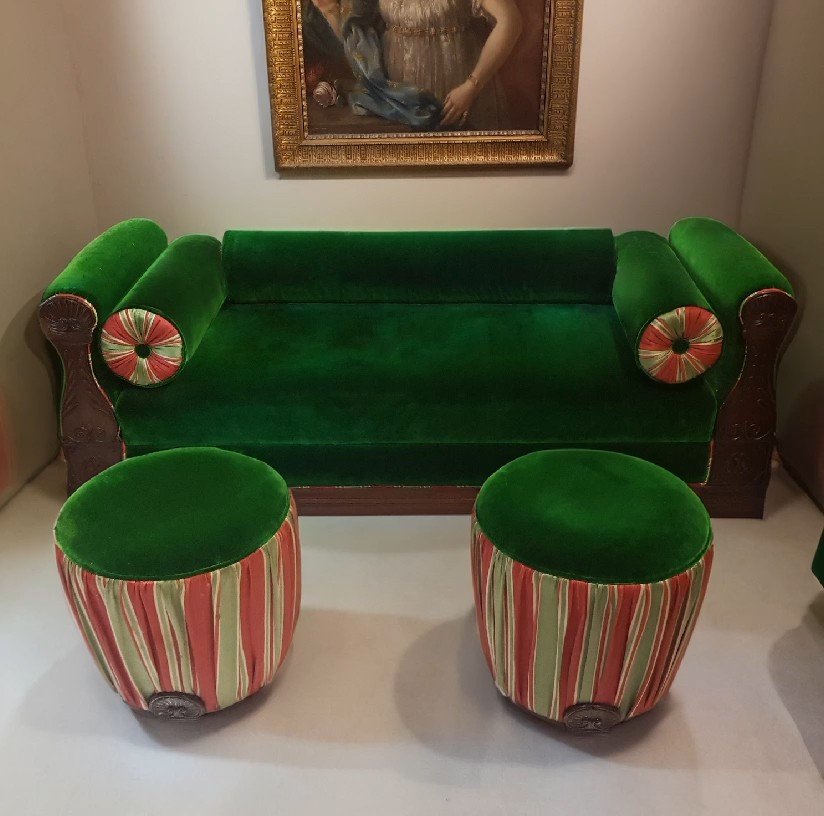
(394, 372)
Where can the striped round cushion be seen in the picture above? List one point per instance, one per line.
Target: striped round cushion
(209, 640)
(555, 644)
(186, 592)
(141, 347)
(585, 600)
(680, 345)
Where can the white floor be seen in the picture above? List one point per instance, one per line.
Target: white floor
(385, 705)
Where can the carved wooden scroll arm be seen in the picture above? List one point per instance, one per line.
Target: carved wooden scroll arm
(89, 432)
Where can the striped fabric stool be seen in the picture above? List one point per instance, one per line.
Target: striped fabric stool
(182, 569)
(589, 570)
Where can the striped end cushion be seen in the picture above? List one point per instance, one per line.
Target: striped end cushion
(141, 347)
(555, 643)
(218, 636)
(681, 344)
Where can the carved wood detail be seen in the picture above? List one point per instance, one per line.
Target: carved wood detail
(745, 428)
(89, 432)
(176, 705)
(385, 500)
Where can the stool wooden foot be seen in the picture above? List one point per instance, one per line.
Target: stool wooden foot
(591, 718)
(175, 705)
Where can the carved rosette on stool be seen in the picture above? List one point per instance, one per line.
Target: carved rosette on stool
(580, 622)
(181, 647)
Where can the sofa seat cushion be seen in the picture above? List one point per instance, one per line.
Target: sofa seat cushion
(360, 394)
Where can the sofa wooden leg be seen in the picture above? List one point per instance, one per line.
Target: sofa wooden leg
(89, 432)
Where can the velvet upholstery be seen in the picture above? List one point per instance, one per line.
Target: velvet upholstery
(173, 514)
(185, 285)
(594, 516)
(727, 270)
(429, 394)
(108, 267)
(650, 280)
(502, 266)
(421, 358)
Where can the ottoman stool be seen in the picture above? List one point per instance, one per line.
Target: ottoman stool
(589, 570)
(182, 569)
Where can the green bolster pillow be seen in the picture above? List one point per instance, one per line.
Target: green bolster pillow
(109, 266)
(159, 323)
(668, 322)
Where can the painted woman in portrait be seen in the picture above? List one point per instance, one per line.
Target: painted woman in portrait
(430, 64)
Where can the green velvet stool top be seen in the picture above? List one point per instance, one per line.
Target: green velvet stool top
(594, 516)
(172, 514)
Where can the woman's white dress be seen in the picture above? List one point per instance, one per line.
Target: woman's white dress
(434, 45)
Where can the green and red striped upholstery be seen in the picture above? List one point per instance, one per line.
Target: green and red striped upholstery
(141, 347)
(182, 570)
(589, 570)
(220, 635)
(552, 643)
(680, 345)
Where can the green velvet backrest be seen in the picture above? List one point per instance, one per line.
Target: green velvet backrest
(501, 266)
(727, 269)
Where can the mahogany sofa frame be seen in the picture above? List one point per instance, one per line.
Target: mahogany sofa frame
(741, 448)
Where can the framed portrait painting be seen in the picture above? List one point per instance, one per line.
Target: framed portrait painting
(434, 83)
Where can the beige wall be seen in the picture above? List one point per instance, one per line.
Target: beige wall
(176, 107)
(782, 212)
(45, 214)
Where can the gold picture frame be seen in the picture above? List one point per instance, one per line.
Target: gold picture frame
(298, 144)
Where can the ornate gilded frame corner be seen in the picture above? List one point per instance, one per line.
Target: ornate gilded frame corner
(552, 145)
